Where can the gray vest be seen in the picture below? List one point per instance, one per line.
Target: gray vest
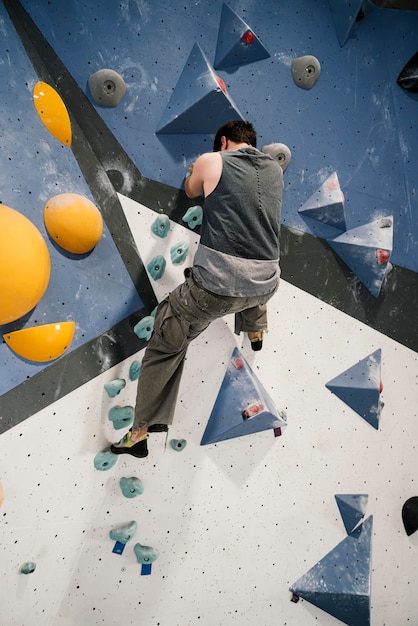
(238, 253)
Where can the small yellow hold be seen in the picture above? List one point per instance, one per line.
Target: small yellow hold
(52, 112)
(41, 343)
(73, 222)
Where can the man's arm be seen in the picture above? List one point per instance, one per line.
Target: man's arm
(204, 175)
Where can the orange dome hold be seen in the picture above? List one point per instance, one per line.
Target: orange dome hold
(25, 265)
(41, 343)
(73, 222)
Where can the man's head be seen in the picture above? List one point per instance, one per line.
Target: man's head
(236, 131)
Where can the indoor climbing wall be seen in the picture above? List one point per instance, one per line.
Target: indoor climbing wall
(284, 492)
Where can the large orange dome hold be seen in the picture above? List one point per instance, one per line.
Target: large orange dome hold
(25, 265)
(41, 343)
(73, 222)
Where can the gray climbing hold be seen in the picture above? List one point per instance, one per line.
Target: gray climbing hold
(105, 460)
(107, 87)
(114, 387)
(134, 370)
(28, 568)
(145, 554)
(178, 444)
(124, 533)
(131, 487)
(280, 152)
(121, 416)
(305, 71)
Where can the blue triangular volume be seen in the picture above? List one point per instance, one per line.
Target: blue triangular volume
(237, 44)
(340, 582)
(326, 205)
(359, 387)
(199, 102)
(352, 508)
(242, 407)
(366, 250)
(347, 14)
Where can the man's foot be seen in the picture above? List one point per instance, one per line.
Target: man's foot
(256, 339)
(158, 428)
(127, 446)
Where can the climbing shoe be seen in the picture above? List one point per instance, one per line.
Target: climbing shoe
(158, 428)
(257, 342)
(127, 446)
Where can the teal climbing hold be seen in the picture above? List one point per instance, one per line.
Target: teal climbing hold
(179, 252)
(114, 387)
(143, 329)
(28, 568)
(121, 416)
(131, 487)
(145, 554)
(134, 370)
(193, 216)
(161, 226)
(124, 533)
(178, 444)
(105, 460)
(156, 267)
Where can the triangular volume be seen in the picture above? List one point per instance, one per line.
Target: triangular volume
(347, 15)
(242, 407)
(352, 509)
(366, 250)
(359, 387)
(237, 44)
(340, 582)
(199, 103)
(326, 205)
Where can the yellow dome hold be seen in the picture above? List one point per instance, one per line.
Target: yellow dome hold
(41, 343)
(52, 112)
(25, 265)
(73, 222)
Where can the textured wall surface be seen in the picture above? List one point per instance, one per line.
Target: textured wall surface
(235, 523)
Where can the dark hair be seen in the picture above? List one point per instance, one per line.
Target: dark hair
(236, 131)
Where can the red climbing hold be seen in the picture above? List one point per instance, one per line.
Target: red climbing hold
(252, 409)
(221, 84)
(248, 37)
(383, 256)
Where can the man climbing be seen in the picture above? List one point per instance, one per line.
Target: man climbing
(235, 270)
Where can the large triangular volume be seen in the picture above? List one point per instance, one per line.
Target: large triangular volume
(199, 103)
(347, 15)
(352, 508)
(340, 582)
(367, 250)
(237, 44)
(359, 387)
(242, 407)
(326, 205)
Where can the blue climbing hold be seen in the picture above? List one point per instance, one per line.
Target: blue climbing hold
(179, 252)
(114, 387)
(105, 460)
(161, 226)
(193, 216)
(156, 267)
(131, 487)
(143, 329)
(145, 554)
(134, 370)
(28, 568)
(121, 416)
(178, 444)
(124, 533)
